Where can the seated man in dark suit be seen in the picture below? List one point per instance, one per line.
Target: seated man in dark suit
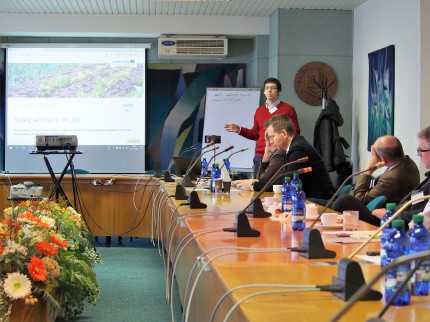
(316, 184)
(374, 218)
(272, 160)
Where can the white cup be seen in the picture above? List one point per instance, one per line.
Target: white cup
(268, 201)
(277, 188)
(311, 211)
(329, 219)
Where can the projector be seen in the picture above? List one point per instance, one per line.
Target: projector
(25, 191)
(56, 142)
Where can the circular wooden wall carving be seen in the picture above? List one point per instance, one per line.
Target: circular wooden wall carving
(307, 77)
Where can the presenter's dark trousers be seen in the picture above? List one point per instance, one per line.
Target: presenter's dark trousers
(257, 161)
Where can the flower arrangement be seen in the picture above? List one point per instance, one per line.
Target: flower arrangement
(46, 255)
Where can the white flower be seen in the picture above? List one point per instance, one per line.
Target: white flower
(73, 211)
(48, 220)
(12, 247)
(17, 285)
(36, 236)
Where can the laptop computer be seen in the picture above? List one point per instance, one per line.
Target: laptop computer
(182, 164)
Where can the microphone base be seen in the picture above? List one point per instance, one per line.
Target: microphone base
(243, 228)
(167, 177)
(187, 181)
(180, 193)
(257, 210)
(312, 241)
(195, 201)
(350, 278)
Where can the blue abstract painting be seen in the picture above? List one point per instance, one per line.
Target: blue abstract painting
(381, 94)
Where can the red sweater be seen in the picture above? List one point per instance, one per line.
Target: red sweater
(261, 115)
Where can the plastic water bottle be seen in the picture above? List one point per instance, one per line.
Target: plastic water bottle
(420, 241)
(398, 245)
(287, 202)
(386, 232)
(216, 174)
(204, 168)
(298, 212)
(227, 164)
(296, 179)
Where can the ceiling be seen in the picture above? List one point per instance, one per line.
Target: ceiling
(250, 8)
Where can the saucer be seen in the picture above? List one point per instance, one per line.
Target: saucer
(334, 227)
(312, 218)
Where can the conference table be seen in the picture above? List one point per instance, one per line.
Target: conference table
(215, 269)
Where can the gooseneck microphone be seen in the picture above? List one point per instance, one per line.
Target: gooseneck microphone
(350, 276)
(207, 166)
(258, 210)
(180, 193)
(186, 181)
(393, 216)
(228, 158)
(312, 241)
(328, 204)
(194, 197)
(167, 176)
(242, 228)
(365, 288)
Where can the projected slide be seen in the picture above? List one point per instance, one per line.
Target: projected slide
(97, 94)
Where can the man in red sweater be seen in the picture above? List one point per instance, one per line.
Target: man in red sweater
(273, 106)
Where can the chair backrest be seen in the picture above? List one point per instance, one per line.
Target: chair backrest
(78, 171)
(376, 203)
(345, 190)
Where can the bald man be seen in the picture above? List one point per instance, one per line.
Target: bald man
(400, 177)
(393, 182)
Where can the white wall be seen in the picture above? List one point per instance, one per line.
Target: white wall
(425, 64)
(377, 24)
(148, 26)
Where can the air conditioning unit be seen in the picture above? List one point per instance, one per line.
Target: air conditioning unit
(171, 47)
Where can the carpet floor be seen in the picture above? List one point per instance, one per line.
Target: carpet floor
(132, 284)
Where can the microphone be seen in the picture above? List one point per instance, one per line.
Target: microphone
(328, 204)
(228, 158)
(364, 289)
(194, 197)
(209, 144)
(167, 177)
(186, 181)
(242, 228)
(258, 210)
(312, 240)
(207, 166)
(180, 193)
(350, 276)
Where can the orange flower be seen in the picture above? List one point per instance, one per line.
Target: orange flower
(37, 270)
(31, 217)
(46, 248)
(1, 248)
(59, 242)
